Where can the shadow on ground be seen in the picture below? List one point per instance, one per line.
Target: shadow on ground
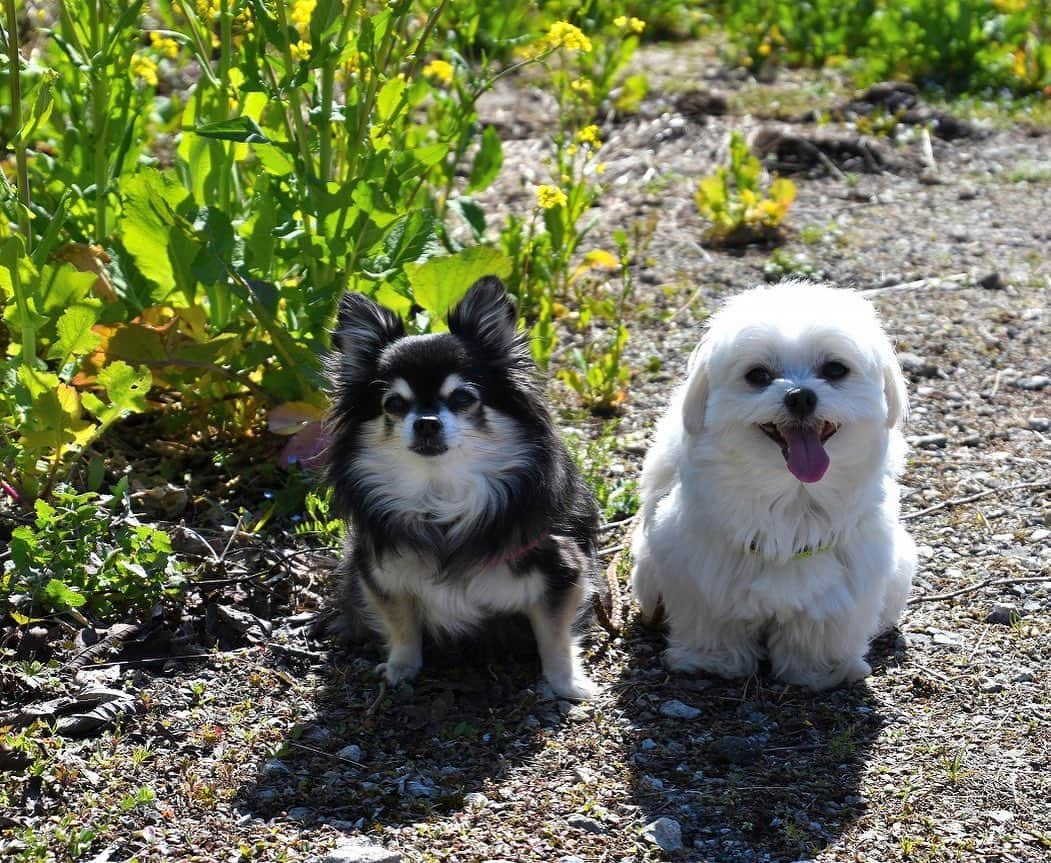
(764, 771)
(371, 755)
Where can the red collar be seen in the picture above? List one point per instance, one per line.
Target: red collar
(518, 553)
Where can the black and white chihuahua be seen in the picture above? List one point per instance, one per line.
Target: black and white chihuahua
(464, 503)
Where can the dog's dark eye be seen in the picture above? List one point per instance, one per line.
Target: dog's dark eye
(460, 399)
(396, 404)
(833, 370)
(759, 377)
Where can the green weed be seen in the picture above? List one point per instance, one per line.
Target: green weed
(733, 201)
(617, 495)
(86, 555)
(963, 45)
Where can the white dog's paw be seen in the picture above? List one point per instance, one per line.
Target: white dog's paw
(397, 672)
(723, 663)
(573, 687)
(847, 672)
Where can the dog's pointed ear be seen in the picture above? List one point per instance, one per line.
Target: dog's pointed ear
(363, 329)
(487, 317)
(894, 390)
(695, 397)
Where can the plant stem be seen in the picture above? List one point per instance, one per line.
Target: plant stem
(21, 163)
(100, 112)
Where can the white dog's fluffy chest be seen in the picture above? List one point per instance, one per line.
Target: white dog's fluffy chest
(455, 605)
(785, 560)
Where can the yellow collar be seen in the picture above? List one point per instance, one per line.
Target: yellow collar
(803, 553)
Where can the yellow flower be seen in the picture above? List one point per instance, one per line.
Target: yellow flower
(441, 70)
(599, 258)
(208, 9)
(590, 135)
(636, 25)
(300, 50)
(571, 150)
(583, 86)
(548, 197)
(565, 35)
(168, 47)
(620, 22)
(300, 15)
(600, 168)
(144, 69)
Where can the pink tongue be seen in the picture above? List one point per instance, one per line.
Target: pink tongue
(807, 458)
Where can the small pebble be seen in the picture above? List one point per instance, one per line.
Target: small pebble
(991, 282)
(1040, 424)
(677, 710)
(585, 822)
(475, 800)
(351, 752)
(738, 750)
(929, 441)
(1002, 614)
(1033, 382)
(359, 850)
(665, 833)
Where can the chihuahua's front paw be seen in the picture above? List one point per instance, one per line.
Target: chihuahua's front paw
(397, 672)
(575, 687)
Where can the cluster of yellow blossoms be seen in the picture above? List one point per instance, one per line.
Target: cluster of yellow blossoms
(633, 24)
(562, 34)
(441, 70)
(144, 69)
(300, 14)
(549, 197)
(167, 46)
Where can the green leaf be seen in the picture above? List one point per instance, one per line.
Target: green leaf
(410, 238)
(75, 336)
(274, 159)
(487, 162)
(63, 285)
(62, 596)
(441, 282)
(389, 99)
(152, 233)
(242, 129)
(472, 214)
(126, 389)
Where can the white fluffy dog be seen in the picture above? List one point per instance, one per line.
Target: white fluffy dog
(770, 504)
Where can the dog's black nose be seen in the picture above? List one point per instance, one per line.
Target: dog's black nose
(801, 402)
(427, 426)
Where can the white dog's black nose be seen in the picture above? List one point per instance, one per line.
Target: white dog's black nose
(427, 426)
(801, 402)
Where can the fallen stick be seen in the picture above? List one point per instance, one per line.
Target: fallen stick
(989, 582)
(1040, 483)
(934, 282)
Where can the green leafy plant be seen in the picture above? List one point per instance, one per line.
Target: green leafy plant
(196, 183)
(615, 491)
(86, 555)
(734, 202)
(959, 45)
(599, 373)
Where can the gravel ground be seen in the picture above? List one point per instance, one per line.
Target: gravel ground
(266, 747)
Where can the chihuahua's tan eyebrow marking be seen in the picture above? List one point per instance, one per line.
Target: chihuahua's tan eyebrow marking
(452, 383)
(402, 388)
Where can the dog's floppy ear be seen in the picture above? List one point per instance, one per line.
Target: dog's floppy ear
(487, 317)
(695, 398)
(894, 390)
(363, 329)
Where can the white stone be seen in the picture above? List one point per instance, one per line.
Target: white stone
(665, 833)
